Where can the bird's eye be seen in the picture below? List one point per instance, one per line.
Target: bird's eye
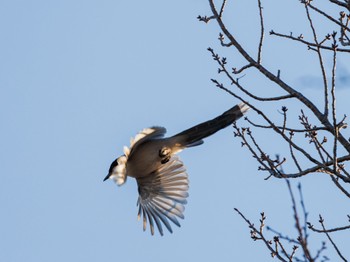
(113, 165)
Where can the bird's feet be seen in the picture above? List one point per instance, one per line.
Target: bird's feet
(165, 154)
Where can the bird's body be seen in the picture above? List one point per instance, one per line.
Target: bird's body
(160, 174)
(145, 159)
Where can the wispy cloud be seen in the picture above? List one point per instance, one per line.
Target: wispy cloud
(342, 79)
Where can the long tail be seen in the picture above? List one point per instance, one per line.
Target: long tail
(194, 135)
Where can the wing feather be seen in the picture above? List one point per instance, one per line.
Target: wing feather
(156, 219)
(162, 195)
(162, 217)
(144, 135)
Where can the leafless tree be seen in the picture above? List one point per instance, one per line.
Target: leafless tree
(318, 144)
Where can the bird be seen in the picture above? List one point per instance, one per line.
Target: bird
(161, 176)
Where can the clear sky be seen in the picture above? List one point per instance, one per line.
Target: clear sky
(79, 78)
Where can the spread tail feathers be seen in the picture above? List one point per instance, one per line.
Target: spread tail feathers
(194, 135)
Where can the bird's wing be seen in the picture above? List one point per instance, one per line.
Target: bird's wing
(144, 135)
(162, 195)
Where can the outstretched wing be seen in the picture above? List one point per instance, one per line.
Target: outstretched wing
(147, 134)
(162, 195)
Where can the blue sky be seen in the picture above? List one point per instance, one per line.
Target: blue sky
(79, 78)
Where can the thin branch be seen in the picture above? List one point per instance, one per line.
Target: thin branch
(328, 17)
(261, 236)
(312, 135)
(273, 168)
(281, 236)
(279, 244)
(311, 227)
(344, 39)
(331, 240)
(284, 110)
(288, 128)
(335, 126)
(322, 118)
(262, 30)
(338, 185)
(317, 168)
(235, 71)
(302, 204)
(222, 61)
(324, 76)
(346, 5)
(245, 143)
(318, 254)
(205, 19)
(320, 165)
(302, 239)
(292, 153)
(222, 8)
(309, 44)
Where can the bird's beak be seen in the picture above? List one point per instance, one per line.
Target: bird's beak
(106, 177)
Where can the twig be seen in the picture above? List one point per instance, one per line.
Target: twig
(302, 239)
(236, 83)
(261, 32)
(322, 118)
(331, 240)
(245, 143)
(319, 252)
(222, 8)
(291, 134)
(255, 232)
(335, 126)
(328, 16)
(311, 227)
(324, 76)
(307, 43)
(294, 130)
(342, 189)
(302, 204)
(281, 236)
(306, 154)
(346, 5)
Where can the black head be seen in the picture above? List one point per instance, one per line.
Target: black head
(110, 171)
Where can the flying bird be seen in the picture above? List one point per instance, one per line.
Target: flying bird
(161, 176)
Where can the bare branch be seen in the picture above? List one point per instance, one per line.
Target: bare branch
(300, 39)
(346, 5)
(261, 32)
(302, 238)
(281, 236)
(318, 50)
(293, 155)
(328, 17)
(235, 71)
(335, 126)
(331, 240)
(322, 117)
(338, 185)
(318, 145)
(317, 169)
(311, 227)
(221, 62)
(222, 8)
(258, 235)
(205, 19)
(294, 130)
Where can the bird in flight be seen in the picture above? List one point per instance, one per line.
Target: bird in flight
(161, 176)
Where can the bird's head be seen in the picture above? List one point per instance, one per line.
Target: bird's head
(117, 170)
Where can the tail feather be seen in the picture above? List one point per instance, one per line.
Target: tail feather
(194, 135)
